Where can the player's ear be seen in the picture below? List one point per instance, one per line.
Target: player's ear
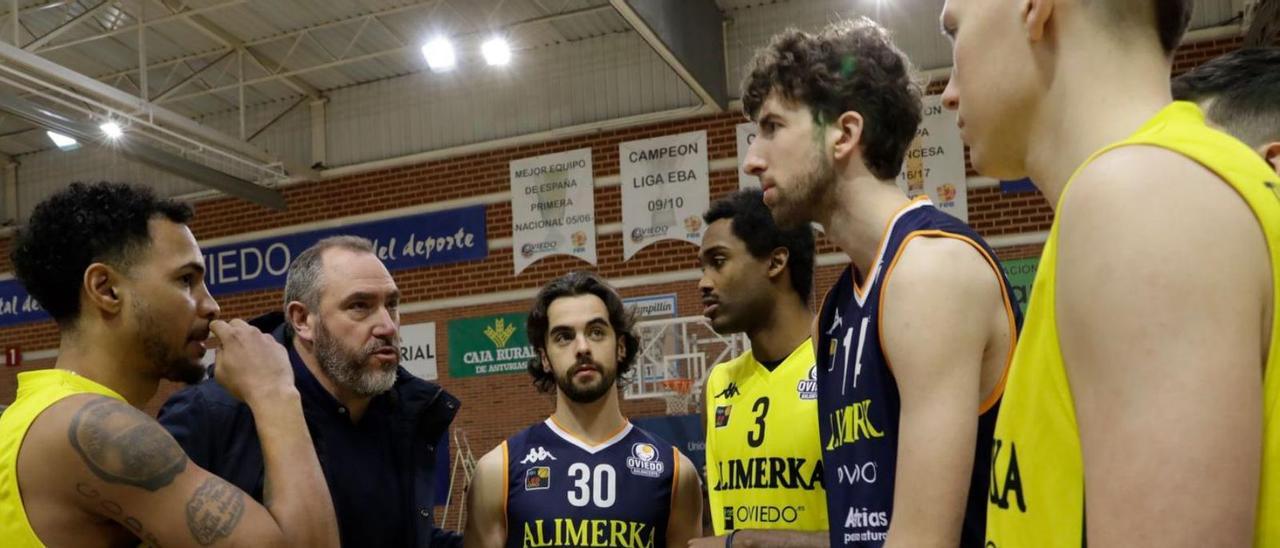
(101, 288)
(546, 363)
(622, 348)
(301, 320)
(1035, 17)
(778, 260)
(845, 134)
(1271, 153)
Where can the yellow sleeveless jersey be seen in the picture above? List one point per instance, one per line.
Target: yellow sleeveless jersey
(37, 390)
(1037, 478)
(764, 460)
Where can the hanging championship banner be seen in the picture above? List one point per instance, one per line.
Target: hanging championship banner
(552, 208)
(665, 189)
(935, 162)
(746, 134)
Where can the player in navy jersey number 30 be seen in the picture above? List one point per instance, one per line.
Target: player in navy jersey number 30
(585, 476)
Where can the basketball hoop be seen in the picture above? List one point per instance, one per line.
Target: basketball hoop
(681, 389)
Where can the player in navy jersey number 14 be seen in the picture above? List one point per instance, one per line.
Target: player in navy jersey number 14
(585, 476)
(915, 338)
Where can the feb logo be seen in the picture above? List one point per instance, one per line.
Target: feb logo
(947, 193)
(537, 478)
(579, 239)
(692, 224)
(644, 460)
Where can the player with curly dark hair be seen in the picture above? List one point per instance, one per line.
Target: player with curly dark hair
(849, 66)
(107, 222)
(914, 340)
(586, 468)
(121, 273)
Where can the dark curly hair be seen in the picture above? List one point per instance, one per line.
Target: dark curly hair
(570, 285)
(81, 225)
(849, 66)
(1242, 89)
(752, 223)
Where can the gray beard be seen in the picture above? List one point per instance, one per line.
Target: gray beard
(346, 368)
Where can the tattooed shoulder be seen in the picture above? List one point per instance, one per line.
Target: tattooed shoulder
(121, 444)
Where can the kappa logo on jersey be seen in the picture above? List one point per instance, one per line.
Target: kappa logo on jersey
(722, 415)
(808, 388)
(729, 392)
(537, 454)
(537, 478)
(644, 460)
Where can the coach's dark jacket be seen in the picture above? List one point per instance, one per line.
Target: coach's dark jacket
(218, 433)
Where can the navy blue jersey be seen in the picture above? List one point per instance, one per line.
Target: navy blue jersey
(562, 491)
(858, 401)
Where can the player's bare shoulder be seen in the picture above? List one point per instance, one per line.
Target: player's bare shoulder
(1166, 200)
(81, 444)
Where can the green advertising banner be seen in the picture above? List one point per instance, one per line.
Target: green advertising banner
(488, 346)
(1021, 274)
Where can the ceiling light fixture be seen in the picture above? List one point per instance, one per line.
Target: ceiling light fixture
(496, 51)
(439, 54)
(111, 130)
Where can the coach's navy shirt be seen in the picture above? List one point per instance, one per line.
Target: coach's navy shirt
(380, 470)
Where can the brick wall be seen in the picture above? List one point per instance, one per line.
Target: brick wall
(494, 407)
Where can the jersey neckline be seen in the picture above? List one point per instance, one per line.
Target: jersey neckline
(582, 444)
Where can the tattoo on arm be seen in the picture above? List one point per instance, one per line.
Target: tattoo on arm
(116, 512)
(214, 510)
(122, 445)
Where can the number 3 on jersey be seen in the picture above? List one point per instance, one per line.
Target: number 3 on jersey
(597, 487)
(761, 409)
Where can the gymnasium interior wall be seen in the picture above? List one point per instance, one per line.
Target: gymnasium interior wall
(496, 406)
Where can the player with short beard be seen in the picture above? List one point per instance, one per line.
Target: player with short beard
(121, 274)
(915, 338)
(586, 469)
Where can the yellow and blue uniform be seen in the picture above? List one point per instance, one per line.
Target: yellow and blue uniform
(1037, 480)
(37, 391)
(764, 462)
(858, 398)
(563, 491)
